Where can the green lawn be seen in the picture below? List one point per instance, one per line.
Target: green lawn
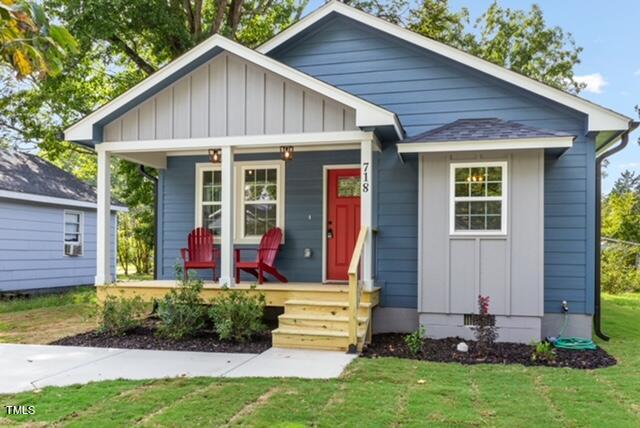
(373, 393)
(43, 319)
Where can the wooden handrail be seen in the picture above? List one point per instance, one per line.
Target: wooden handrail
(355, 290)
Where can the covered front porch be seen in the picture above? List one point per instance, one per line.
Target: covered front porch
(320, 310)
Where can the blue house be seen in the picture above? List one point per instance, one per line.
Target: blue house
(47, 226)
(421, 177)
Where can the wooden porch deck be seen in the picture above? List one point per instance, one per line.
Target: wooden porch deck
(276, 293)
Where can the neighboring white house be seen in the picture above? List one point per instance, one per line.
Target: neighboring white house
(47, 225)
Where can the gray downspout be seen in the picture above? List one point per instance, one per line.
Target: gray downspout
(154, 180)
(597, 319)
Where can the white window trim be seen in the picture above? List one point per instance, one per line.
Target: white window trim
(503, 198)
(280, 203)
(81, 231)
(239, 196)
(201, 168)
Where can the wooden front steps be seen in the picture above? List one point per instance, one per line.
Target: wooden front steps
(320, 324)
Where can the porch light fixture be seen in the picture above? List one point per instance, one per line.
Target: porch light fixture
(215, 155)
(286, 153)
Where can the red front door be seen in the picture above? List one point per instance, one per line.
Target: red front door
(343, 221)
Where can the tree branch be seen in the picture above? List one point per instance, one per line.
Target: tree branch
(222, 8)
(133, 55)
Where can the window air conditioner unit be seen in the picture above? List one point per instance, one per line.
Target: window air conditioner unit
(73, 250)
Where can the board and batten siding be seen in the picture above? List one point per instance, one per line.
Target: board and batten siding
(32, 247)
(303, 210)
(229, 96)
(507, 268)
(427, 91)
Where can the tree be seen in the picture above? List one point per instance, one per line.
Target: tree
(29, 43)
(515, 39)
(120, 42)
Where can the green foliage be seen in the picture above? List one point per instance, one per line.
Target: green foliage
(118, 315)
(181, 311)
(621, 216)
(620, 273)
(543, 352)
(237, 315)
(29, 43)
(515, 39)
(415, 340)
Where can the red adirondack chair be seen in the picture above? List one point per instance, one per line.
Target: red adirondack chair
(201, 253)
(265, 259)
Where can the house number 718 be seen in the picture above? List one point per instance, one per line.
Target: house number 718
(365, 177)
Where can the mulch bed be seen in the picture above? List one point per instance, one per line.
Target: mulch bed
(145, 338)
(444, 350)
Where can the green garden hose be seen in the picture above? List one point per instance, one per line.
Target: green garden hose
(573, 343)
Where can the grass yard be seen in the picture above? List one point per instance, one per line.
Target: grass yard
(43, 319)
(373, 393)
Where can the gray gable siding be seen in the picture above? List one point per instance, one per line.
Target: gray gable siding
(427, 91)
(31, 247)
(228, 96)
(303, 210)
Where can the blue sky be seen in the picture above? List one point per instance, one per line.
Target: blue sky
(610, 59)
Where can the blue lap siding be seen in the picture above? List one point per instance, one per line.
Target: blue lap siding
(426, 91)
(303, 210)
(32, 247)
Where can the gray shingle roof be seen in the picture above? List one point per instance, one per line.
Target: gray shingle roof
(30, 174)
(483, 129)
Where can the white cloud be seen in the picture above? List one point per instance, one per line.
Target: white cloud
(595, 82)
(637, 72)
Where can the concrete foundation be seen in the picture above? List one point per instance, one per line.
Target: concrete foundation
(517, 329)
(579, 325)
(395, 320)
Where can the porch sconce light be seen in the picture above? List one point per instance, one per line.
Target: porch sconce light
(286, 152)
(215, 155)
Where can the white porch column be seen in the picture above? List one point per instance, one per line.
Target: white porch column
(227, 223)
(103, 220)
(366, 210)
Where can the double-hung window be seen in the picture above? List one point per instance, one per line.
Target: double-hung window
(258, 195)
(478, 198)
(73, 232)
(209, 206)
(261, 200)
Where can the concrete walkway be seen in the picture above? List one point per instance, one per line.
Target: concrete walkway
(28, 367)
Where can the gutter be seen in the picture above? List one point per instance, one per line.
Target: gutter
(154, 180)
(624, 140)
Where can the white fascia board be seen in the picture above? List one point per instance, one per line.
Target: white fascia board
(484, 145)
(245, 141)
(367, 114)
(600, 118)
(30, 197)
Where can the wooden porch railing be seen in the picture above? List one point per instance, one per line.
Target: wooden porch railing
(355, 289)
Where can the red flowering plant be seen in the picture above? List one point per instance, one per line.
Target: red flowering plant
(484, 328)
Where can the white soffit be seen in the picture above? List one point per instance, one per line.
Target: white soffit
(485, 145)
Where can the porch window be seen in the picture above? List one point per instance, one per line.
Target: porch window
(210, 199)
(261, 201)
(478, 198)
(258, 195)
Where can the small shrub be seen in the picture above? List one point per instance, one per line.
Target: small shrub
(118, 315)
(414, 341)
(485, 329)
(181, 311)
(237, 315)
(619, 271)
(543, 352)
